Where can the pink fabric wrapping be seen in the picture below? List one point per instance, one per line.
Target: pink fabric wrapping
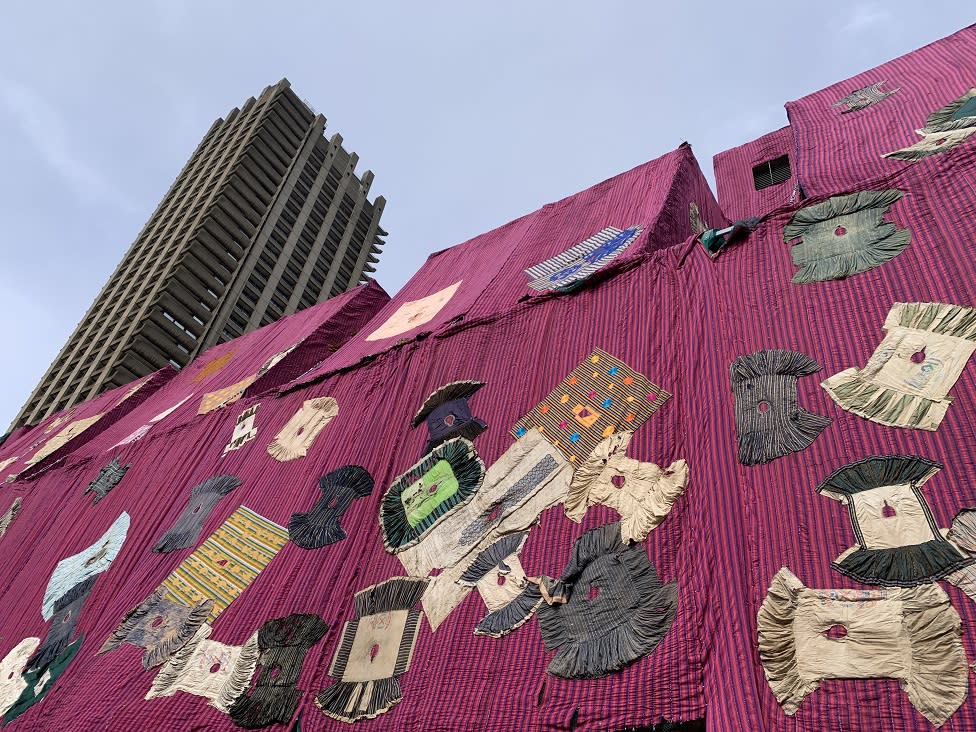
(668, 311)
(835, 151)
(315, 332)
(737, 194)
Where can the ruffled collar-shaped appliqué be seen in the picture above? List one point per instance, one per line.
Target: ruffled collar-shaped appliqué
(769, 422)
(296, 437)
(907, 379)
(913, 635)
(448, 414)
(641, 492)
(844, 236)
(509, 596)
(864, 97)
(607, 609)
(944, 129)
(203, 498)
(898, 541)
(443, 480)
(320, 526)
(283, 644)
(375, 650)
(108, 477)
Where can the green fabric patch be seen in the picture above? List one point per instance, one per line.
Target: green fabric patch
(434, 487)
(966, 110)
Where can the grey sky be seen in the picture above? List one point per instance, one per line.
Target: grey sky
(470, 114)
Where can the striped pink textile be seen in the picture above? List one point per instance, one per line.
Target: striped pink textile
(737, 194)
(835, 151)
(318, 331)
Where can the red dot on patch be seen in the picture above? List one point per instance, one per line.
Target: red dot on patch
(840, 231)
(449, 420)
(501, 579)
(215, 668)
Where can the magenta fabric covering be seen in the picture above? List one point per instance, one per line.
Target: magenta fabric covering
(835, 151)
(664, 308)
(316, 333)
(737, 194)
(491, 265)
(113, 405)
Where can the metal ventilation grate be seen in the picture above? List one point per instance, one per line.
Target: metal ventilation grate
(771, 173)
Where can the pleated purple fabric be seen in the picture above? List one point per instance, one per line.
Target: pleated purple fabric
(667, 310)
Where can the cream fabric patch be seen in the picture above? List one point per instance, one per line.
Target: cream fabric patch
(71, 431)
(11, 668)
(244, 430)
(296, 437)
(414, 313)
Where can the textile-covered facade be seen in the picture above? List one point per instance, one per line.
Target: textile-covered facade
(666, 312)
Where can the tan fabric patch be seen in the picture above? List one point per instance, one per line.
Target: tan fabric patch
(213, 366)
(222, 397)
(902, 522)
(296, 437)
(11, 668)
(414, 313)
(71, 431)
(379, 634)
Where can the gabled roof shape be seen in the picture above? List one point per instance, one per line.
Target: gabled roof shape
(737, 194)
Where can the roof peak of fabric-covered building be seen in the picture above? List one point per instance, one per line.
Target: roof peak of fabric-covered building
(489, 275)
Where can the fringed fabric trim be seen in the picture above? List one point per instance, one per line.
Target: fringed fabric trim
(203, 498)
(447, 393)
(963, 530)
(163, 648)
(801, 430)
(169, 676)
(351, 701)
(589, 472)
(878, 471)
(838, 206)
(469, 471)
(609, 650)
(396, 593)
(938, 679)
(319, 526)
(902, 566)
(859, 395)
(942, 119)
(772, 362)
(932, 143)
(297, 436)
(940, 318)
(777, 642)
(240, 679)
(491, 557)
(518, 612)
(266, 705)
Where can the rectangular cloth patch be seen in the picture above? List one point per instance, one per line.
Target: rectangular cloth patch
(599, 397)
(225, 564)
(228, 395)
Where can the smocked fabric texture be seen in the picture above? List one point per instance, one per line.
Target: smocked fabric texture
(160, 626)
(907, 380)
(320, 526)
(244, 429)
(865, 97)
(91, 561)
(375, 650)
(298, 435)
(609, 608)
(443, 480)
(807, 636)
(203, 498)
(845, 235)
(641, 492)
(769, 422)
(206, 668)
(600, 396)
(944, 129)
(282, 646)
(898, 540)
(108, 477)
(448, 414)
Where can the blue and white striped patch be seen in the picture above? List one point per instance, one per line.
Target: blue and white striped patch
(580, 261)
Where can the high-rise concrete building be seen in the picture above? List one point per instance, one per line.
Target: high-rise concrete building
(266, 218)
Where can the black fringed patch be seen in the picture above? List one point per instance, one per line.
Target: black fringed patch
(616, 608)
(108, 478)
(203, 498)
(443, 480)
(160, 626)
(375, 649)
(515, 614)
(320, 526)
(283, 644)
(768, 421)
(878, 471)
(903, 566)
(67, 608)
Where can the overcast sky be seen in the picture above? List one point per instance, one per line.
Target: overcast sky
(469, 117)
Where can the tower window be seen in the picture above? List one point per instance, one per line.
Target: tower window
(771, 173)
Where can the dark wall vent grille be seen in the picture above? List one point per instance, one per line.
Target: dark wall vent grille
(771, 173)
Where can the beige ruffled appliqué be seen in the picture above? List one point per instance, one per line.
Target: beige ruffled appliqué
(642, 493)
(297, 436)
